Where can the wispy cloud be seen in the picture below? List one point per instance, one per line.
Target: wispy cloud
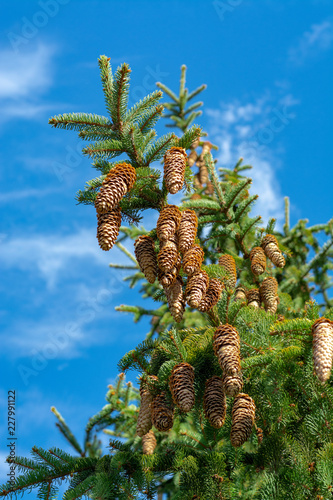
(24, 77)
(250, 130)
(317, 39)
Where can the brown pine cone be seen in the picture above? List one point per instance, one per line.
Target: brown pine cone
(196, 288)
(226, 345)
(181, 386)
(192, 158)
(212, 296)
(271, 249)
(193, 259)
(260, 435)
(241, 293)
(161, 413)
(268, 294)
(174, 169)
(167, 256)
(144, 249)
(149, 443)
(176, 300)
(233, 384)
(168, 222)
(187, 230)
(258, 261)
(144, 423)
(166, 279)
(243, 414)
(215, 402)
(117, 183)
(108, 228)
(228, 263)
(322, 345)
(253, 298)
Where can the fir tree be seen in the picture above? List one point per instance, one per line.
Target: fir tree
(235, 387)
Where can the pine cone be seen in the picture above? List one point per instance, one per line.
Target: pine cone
(144, 250)
(168, 222)
(162, 413)
(215, 402)
(243, 414)
(193, 259)
(241, 293)
(187, 230)
(196, 288)
(108, 228)
(192, 158)
(233, 384)
(260, 435)
(322, 331)
(149, 443)
(212, 296)
(181, 386)
(117, 183)
(253, 298)
(167, 256)
(268, 294)
(176, 300)
(271, 249)
(258, 261)
(226, 345)
(166, 279)
(174, 169)
(228, 263)
(144, 423)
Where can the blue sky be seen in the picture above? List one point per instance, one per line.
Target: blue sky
(267, 65)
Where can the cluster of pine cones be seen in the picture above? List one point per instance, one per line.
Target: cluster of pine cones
(158, 411)
(267, 292)
(116, 184)
(176, 232)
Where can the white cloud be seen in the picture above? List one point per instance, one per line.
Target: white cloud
(26, 193)
(317, 39)
(24, 77)
(249, 130)
(51, 254)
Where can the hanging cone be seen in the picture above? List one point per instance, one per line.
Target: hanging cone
(233, 384)
(243, 414)
(322, 345)
(144, 249)
(117, 183)
(174, 169)
(192, 158)
(167, 256)
(253, 298)
(226, 345)
(260, 435)
(168, 278)
(196, 288)
(212, 296)
(149, 443)
(193, 259)
(176, 300)
(228, 263)
(241, 293)
(162, 413)
(258, 261)
(268, 294)
(187, 230)
(181, 386)
(108, 228)
(271, 249)
(168, 222)
(215, 402)
(144, 423)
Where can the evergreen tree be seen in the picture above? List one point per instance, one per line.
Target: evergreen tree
(236, 399)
